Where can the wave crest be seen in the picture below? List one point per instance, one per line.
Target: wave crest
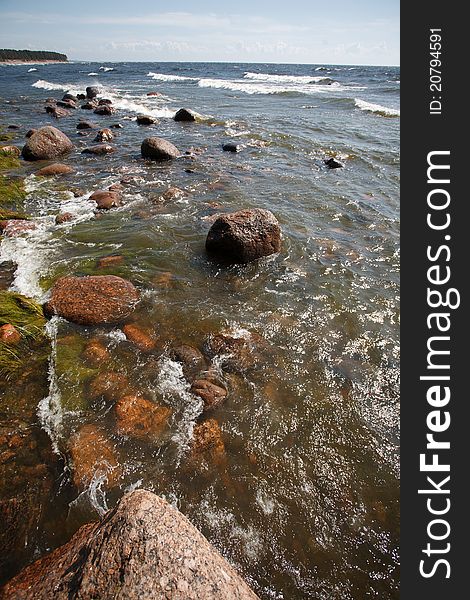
(376, 108)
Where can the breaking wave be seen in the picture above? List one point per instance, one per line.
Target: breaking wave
(163, 77)
(303, 79)
(377, 108)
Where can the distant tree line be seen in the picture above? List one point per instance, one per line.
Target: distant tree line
(30, 55)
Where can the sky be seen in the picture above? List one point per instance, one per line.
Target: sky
(297, 31)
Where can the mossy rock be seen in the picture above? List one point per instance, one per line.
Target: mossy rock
(8, 215)
(12, 192)
(8, 161)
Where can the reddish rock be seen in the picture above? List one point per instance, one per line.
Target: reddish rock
(106, 200)
(99, 149)
(63, 218)
(92, 300)
(105, 109)
(15, 227)
(57, 111)
(109, 385)
(9, 334)
(138, 337)
(234, 353)
(46, 143)
(207, 441)
(93, 456)
(55, 169)
(104, 135)
(212, 394)
(11, 150)
(244, 236)
(140, 418)
(190, 358)
(110, 261)
(156, 148)
(96, 353)
(115, 187)
(143, 549)
(173, 193)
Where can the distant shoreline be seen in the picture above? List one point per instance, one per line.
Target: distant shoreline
(31, 62)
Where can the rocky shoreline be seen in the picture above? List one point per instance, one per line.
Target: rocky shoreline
(99, 300)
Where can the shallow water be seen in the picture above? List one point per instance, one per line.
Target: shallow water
(306, 503)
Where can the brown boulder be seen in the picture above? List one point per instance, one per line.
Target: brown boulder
(63, 218)
(138, 337)
(244, 236)
(108, 385)
(46, 143)
(92, 300)
(212, 394)
(104, 109)
(145, 120)
(99, 149)
(158, 149)
(93, 456)
(140, 418)
(144, 548)
(207, 441)
(173, 193)
(57, 111)
(95, 353)
(55, 169)
(104, 135)
(106, 200)
(190, 358)
(67, 103)
(234, 353)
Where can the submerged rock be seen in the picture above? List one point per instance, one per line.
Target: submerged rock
(57, 111)
(144, 548)
(67, 103)
(15, 227)
(86, 125)
(231, 147)
(92, 300)
(114, 260)
(109, 385)
(244, 236)
(95, 353)
(233, 353)
(212, 394)
(93, 457)
(190, 358)
(140, 418)
(55, 169)
(63, 218)
(89, 106)
(158, 149)
(104, 135)
(46, 143)
(207, 441)
(139, 337)
(99, 149)
(106, 199)
(185, 114)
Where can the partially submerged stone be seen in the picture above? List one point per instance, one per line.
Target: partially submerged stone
(140, 338)
(207, 441)
(55, 169)
(96, 353)
(185, 114)
(46, 143)
(158, 149)
(92, 300)
(108, 385)
(140, 418)
(106, 199)
(211, 393)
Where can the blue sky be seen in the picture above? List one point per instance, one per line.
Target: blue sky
(296, 31)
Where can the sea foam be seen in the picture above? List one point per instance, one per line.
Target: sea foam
(377, 108)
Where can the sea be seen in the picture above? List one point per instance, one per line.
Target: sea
(306, 503)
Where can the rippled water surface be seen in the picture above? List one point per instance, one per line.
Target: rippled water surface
(305, 501)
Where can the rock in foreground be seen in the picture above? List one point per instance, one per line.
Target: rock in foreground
(46, 143)
(244, 236)
(157, 149)
(92, 300)
(144, 548)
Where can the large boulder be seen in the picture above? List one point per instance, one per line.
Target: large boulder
(144, 548)
(158, 149)
(92, 300)
(244, 235)
(46, 143)
(92, 92)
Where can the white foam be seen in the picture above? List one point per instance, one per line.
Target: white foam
(131, 105)
(47, 85)
(31, 70)
(106, 69)
(174, 78)
(94, 74)
(272, 88)
(303, 79)
(376, 108)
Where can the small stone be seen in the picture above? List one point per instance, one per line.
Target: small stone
(207, 440)
(332, 163)
(104, 109)
(140, 418)
(138, 337)
(105, 135)
(9, 334)
(99, 149)
(106, 200)
(11, 150)
(158, 149)
(55, 169)
(231, 147)
(96, 353)
(86, 125)
(212, 394)
(184, 114)
(63, 218)
(109, 385)
(110, 261)
(145, 120)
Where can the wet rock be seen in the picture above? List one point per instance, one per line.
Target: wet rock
(9, 334)
(104, 135)
(154, 94)
(109, 385)
(63, 218)
(110, 261)
(164, 279)
(57, 111)
(92, 300)
(140, 418)
(139, 337)
(104, 101)
(30, 132)
(185, 114)
(7, 274)
(173, 193)
(89, 106)
(77, 192)
(95, 353)
(68, 96)
(104, 109)
(145, 120)
(55, 169)
(93, 457)
(236, 354)
(212, 394)
(46, 143)
(144, 548)
(11, 150)
(115, 187)
(16, 227)
(106, 200)
(158, 149)
(207, 441)
(81, 96)
(332, 163)
(92, 92)
(99, 149)
(191, 359)
(116, 126)
(13, 127)
(231, 147)
(244, 236)
(86, 125)
(66, 104)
